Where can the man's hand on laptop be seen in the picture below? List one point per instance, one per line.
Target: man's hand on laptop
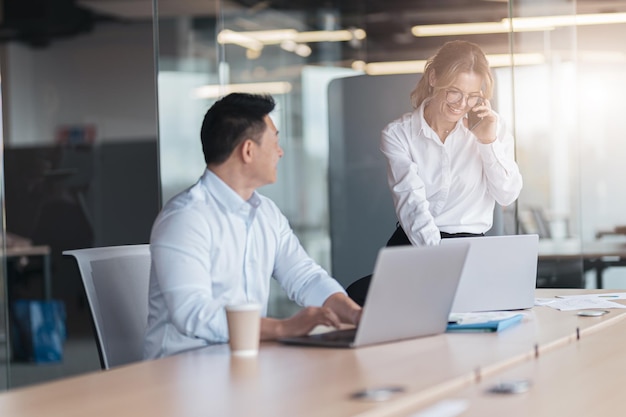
(299, 324)
(337, 309)
(346, 309)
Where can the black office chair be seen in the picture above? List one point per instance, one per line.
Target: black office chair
(358, 289)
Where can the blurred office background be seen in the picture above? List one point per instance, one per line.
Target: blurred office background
(102, 102)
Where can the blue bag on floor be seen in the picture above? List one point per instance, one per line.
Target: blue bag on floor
(38, 330)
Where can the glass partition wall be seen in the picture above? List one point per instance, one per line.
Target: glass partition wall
(556, 67)
(82, 110)
(79, 150)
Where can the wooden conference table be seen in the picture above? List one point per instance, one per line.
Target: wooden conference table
(298, 381)
(585, 378)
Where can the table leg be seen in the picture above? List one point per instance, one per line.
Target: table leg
(47, 277)
(599, 271)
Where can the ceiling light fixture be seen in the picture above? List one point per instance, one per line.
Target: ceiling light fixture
(300, 49)
(478, 28)
(238, 38)
(417, 66)
(217, 90)
(519, 24)
(273, 37)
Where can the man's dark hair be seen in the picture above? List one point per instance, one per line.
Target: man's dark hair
(231, 120)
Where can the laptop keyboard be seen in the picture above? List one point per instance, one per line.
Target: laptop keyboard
(346, 335)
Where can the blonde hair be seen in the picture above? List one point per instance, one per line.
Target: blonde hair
(452, 59)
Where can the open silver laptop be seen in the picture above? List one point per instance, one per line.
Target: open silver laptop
(500, 273)
(410, 296)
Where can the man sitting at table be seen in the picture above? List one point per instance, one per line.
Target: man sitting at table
(219, 242)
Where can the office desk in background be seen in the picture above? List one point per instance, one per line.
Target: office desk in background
(597, 255)
(298, 381)
(14, 253)
(616, 231)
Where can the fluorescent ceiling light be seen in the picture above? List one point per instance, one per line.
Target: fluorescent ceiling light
(410, 67)
(392, 67)
(266, 37)
(504, 26)
(216, 90)
(272, 37)
(228, 36)
(330, 36)
(519, 24)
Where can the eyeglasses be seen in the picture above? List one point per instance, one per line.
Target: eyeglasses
(456, 96)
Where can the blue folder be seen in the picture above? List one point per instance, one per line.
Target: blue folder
(486, 326)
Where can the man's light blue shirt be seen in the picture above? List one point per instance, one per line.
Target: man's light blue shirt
(211, 248)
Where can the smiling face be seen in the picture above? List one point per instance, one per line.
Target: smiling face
(468, 84)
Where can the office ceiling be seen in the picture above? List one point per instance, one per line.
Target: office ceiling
(386, 22)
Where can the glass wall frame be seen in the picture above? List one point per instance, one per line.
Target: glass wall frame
(4, 308)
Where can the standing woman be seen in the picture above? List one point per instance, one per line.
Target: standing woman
(445, 170)
(444, 174)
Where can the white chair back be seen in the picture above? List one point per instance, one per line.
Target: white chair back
(116, 281)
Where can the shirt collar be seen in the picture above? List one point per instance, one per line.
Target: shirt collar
(226, 195)
(424, 127)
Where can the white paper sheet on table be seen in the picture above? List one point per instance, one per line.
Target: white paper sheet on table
(608, 295)
(577, 303)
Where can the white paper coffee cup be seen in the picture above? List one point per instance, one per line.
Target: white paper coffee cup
(244, 328)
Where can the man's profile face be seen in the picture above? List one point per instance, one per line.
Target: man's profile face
(268, 154)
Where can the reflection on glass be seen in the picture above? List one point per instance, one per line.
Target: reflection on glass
(80, 167)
